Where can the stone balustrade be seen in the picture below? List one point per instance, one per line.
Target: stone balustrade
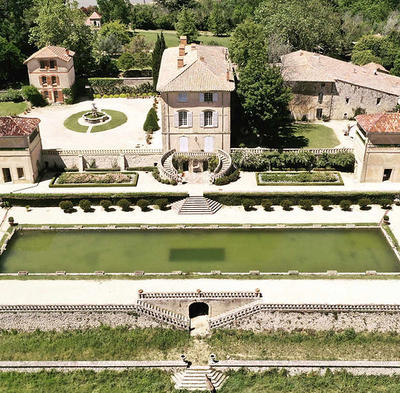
(202, 295)
(314, 151)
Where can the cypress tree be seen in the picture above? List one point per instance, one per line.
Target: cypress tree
(151, 123)
(159, 48)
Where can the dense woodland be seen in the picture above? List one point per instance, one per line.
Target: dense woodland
(259, 32)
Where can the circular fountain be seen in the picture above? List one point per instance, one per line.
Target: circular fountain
(95, 116)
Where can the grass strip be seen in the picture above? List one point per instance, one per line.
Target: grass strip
(72, 122)
(117, 119)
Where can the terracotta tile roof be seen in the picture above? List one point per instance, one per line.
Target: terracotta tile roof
(303, 66)
(205, 69)
(49, 52)
(17, 126)
(380, 122)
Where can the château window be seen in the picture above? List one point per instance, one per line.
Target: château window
(182, 97)
(183, 119)
(208, 118)
(208, 97)
(20, 172)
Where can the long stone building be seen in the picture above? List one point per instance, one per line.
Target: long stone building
(195, 83)
(335, 89)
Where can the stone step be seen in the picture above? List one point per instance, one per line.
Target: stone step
(195, 378)
(196, 205)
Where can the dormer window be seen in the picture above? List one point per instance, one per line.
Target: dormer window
(208, 97)
(182, 97)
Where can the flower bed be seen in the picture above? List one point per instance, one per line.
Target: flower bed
(95, 179)
(299, 178)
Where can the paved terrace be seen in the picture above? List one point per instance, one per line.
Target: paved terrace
(94, 292)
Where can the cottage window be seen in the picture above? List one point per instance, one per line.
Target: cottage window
(42, 64)
(319, 113)
(20, 173)
(183, 118)
(53, 80)
(208, 118)
(320, 97)
(44, 80)
(347, 100)
(52, 64)
(378, 100)
(182, 97)
(208, 97)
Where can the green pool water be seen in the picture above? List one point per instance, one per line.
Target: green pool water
(310, 250)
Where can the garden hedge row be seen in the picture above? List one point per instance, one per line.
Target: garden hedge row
(236, 199)
(53, 183)
(51, 200)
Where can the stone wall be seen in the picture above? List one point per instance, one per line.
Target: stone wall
(30, 321)
(318, 321)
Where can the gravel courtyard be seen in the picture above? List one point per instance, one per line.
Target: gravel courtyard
(127, 136)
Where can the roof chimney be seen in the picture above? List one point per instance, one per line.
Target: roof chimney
(193, 46)
(180, 62)
(181, 50)
(202, 59)
(183, 40)
(228, 75)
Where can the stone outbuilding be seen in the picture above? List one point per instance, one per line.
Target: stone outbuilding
(325, 87)
(195, 83)
(377, 147)
(20, 149)
(51, 69)
(94, 21)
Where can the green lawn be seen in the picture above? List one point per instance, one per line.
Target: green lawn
(105, 343)
(157, 381)
(117, 119)
(12, 108)
(171, 39)
(316, 135)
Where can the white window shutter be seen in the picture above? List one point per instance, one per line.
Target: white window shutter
(215, 97)
(190, 119)
(176, 119)
(201, 97)
(215, 119)
(201, 119)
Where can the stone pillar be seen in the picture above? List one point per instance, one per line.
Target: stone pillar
(121, 162)
(80, 163)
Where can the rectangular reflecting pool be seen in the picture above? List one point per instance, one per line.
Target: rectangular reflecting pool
(274, 250)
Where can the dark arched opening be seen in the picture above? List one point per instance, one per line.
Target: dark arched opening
(197, 309)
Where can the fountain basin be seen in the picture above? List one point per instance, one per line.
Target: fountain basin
(100, 117)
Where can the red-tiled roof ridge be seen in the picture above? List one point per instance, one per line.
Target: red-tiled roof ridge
(51, 51)
(380, 122)
(95, 15)
(17, 126)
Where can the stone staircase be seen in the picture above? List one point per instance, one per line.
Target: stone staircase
(196, 205)
(224, 165)
(200, 378)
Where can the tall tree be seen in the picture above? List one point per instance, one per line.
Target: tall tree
(218, 21)
(186, 25)
(115, 10)
(265, 100)
(158, 50)
(10, 61)
(176, 5)
(63, 24)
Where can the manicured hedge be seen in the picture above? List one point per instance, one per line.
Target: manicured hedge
(53, 183)
(44, 200)
(236, 199)
(317, 178)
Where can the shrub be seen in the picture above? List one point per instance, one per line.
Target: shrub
(286, 204)
(124, 204)
(11, 220)
(228, 178)
(386, 218)
(143, 204)
(67, 206)
(32, 94)
(266, 204)
(386, 203)
(85, 205)
(212, 163)
(345, 204)
(364, 203)
(325, 203)
(151, 122)
(161, 203)
(248, 204)
(105, 204)
(305, 204)
(11, 95)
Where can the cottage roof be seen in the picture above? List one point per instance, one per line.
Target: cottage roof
(94, 16)
(205, 69)
(303, 66)
(379, 123)
(375, 67)
(49, 52)
(17, 126)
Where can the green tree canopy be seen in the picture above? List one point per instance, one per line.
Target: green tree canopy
(111, 10)
(176, 5)
(265, 100)
(374, 10)
(186, 24)
(116, 29)
(312, 25)
(218, 22)
(126, 61)
(158, 51)
(10, 61)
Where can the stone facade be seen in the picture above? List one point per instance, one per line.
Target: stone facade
(196, 135)
(339, 100)
(51, 73)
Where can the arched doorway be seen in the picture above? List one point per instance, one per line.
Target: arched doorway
(198, 309)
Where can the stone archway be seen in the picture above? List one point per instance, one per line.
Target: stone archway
(198, 314)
